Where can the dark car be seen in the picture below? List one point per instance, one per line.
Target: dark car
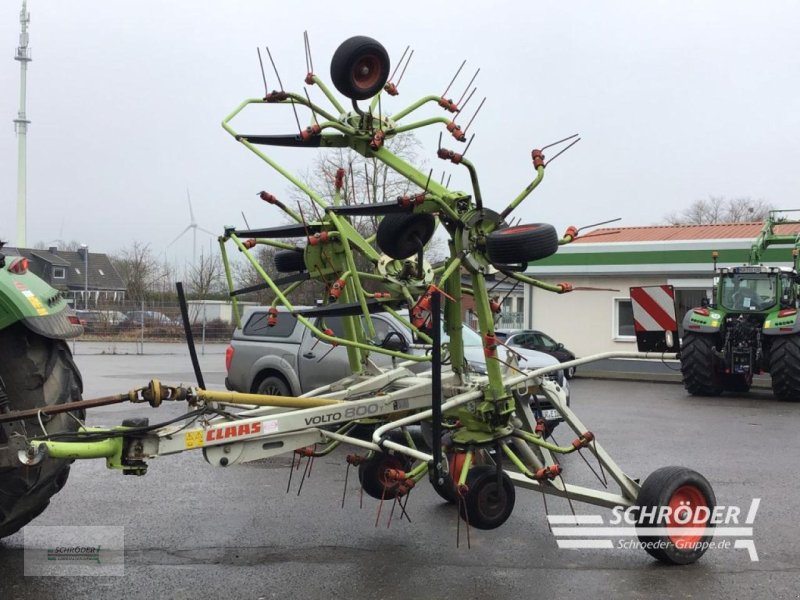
(536, 340)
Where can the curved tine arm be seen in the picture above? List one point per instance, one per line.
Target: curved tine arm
(524, 193)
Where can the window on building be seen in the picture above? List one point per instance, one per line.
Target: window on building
(623, 319)
(59, 273)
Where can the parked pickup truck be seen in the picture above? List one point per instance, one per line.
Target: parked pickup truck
(287, 359)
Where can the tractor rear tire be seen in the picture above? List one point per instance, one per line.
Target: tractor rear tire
(37, 371)
(699, 365)
(784, 367)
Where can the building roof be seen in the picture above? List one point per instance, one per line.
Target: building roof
(102, 274)
(663, 233)
(662, 249)
(49, 257)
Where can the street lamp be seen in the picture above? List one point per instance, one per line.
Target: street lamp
(85, 249)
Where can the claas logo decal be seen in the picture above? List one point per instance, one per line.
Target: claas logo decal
(232, 431)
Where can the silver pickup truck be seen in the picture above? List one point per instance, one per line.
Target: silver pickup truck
(287, 359)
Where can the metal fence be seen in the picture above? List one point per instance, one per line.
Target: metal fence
(152, 327)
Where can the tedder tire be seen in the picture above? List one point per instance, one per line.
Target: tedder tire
(701, 373)
(289, 261)
(372, 474)
(487, 505)
(683, 491)
(403, 235)
(784, 367)
(36, 371)
(360, 67)
(521, 244)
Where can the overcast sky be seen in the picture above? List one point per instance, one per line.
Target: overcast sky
(674, 101)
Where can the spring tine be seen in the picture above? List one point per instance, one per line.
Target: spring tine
(599, 463)
(311, 463)
(346, 475)
(291, 470)
(305, 48)
(461, 109)
(447, 185)
(480, 106)
(452, 81)
(399, 62)
(566, 494)
(302, 480)
(443, 173)
(309, 59)
(380, 506)
(458, 522)
(403, 72)
(466, 89)
(546, 512)
(391, 513)
(280, 83)
(263, 75)
(598, 224)
(403, 506)
(274, 68)
(574, 135)
(428, 182)
(311, 106)
(591, 468)
(562, 152)
(468, 144)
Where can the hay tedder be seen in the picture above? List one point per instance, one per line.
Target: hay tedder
(484, 432)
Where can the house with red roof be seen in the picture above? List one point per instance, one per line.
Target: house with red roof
(605, 263)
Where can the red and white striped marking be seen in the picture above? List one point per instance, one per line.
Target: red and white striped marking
(653, 308)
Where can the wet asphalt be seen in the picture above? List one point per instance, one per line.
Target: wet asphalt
(194, 531)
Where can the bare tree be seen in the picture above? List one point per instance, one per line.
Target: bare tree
(205, 276)
(367, 180)
(137, 269)
(718, 209)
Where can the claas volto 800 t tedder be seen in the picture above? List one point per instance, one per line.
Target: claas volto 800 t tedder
(486, 436)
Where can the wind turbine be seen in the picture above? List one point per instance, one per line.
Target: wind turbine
(194, 227)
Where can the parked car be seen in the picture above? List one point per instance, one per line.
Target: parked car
(285, 359)
(100, 320)
(149, 317)
(532, 339)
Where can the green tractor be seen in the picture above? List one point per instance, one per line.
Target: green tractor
(751, 327)
(36, 370)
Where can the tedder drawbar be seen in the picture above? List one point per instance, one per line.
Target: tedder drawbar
(486, 436)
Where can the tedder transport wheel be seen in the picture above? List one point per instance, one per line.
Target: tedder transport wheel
(289, 261)
(36, 372)
(401, 235)
(521, 244)
(700, 369)
(372, 474)
(487, 503)
(447, 490)
(676, 497)
(784, 367)
(360, 67)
